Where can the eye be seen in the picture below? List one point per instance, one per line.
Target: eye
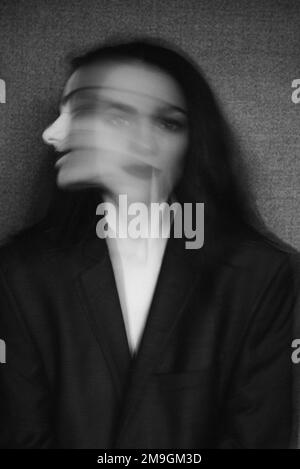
(171, 124)
(81, 111)
(118, 121)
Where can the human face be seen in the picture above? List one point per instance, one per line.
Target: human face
(122, 127)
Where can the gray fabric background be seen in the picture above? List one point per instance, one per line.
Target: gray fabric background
(248, 49)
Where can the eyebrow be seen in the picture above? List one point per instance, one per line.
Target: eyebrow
(68, 96)
(116, 104)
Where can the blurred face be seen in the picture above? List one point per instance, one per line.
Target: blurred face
(122, 128)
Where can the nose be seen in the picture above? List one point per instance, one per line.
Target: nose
(57, 132)
(143, 139)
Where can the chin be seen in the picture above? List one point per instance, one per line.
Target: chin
(68, 181)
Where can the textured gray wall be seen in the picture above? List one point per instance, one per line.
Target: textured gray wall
(249, 50)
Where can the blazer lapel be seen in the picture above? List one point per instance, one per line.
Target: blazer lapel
(98, 292)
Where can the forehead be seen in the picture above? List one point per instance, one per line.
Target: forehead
(127, 81)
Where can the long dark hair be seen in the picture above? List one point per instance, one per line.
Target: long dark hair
(213, 172)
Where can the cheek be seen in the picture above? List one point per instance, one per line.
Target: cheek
(173, 151)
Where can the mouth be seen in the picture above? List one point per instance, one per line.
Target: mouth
(141, 171)
(61, 157)
(137, 170)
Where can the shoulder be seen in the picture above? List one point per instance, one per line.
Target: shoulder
(259, 250)
(260, 261)
(30, 248)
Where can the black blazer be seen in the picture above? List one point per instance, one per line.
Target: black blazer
(213, 369)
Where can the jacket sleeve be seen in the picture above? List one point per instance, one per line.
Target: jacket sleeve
(24, 391)
(258, 412)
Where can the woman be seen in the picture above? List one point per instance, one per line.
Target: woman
(134, 342)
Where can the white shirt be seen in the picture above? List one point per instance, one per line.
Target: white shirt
(136, 264)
